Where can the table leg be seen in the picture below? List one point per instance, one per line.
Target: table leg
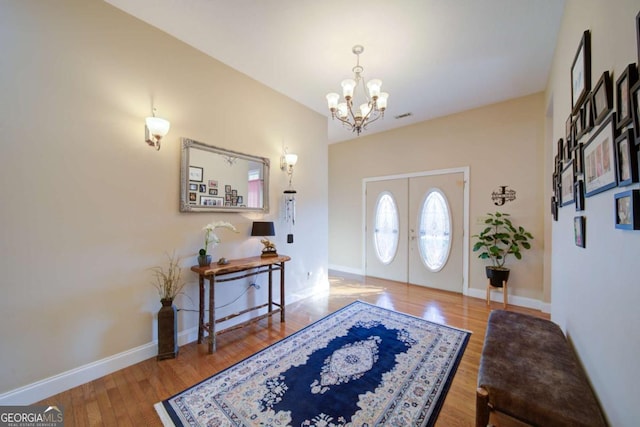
(282, 291)
(212, 314)
(201, 310)
(270, 288)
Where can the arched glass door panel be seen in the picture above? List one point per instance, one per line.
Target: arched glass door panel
(434, 225)
(385, 233)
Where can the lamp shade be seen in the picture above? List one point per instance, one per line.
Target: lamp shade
(263, 228)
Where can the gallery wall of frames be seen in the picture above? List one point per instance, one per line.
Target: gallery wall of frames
(601, 148)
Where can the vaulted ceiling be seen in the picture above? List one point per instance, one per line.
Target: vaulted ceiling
(434, 57)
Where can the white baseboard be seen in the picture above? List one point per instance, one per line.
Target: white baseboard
(512, 299)
(344, 269)
(42, 389)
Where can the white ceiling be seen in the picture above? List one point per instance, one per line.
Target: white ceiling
(434, 57)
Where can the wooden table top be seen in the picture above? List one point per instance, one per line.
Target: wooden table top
(240, 264)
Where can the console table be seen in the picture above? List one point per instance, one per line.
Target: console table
(234, 270)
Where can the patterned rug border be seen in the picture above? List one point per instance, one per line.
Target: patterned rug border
(168, 419)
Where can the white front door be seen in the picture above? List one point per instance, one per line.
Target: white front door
(436, 225)
(415, 230)
(386, 229)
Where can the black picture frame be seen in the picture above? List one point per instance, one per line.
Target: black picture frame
(567, 179)
(560, 152)
(578, 157)
(581, 72)
(635, 106)
(578, 124)
(554, 208)
(602, 98)
(627, 159)
(599, 158)
(579, 231)
(586, 115)
(624, 83)
(638, 35)
(627, 209)
(579, 195)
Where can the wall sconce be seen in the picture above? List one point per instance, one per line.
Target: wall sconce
(155, 128)
(287, 162)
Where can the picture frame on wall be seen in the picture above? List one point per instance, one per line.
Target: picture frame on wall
(566, 185)
(627, 208)
(560, 153)
(579, 229)
(581, 72)
(554, 208)
(627, 159)
(635, 107)
(625, 82)
(579, 195)
(586, 113)
(600, 159)
(638, 35)
(578, 165)
(578, 125)
(602, 98)
(193, 187)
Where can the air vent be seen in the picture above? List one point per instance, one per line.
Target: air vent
(402, 116)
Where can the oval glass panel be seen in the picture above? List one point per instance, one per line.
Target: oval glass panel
(434, 226)
(385, 232)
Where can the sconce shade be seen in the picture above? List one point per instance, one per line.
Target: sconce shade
(291, 159)
(157, 127)
(263, 228)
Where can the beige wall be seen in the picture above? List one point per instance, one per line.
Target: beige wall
(502, 144)
(595, 290)
(88, 207)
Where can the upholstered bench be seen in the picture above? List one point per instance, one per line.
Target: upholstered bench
(529, 375)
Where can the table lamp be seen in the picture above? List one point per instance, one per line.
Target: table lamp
(264, 229)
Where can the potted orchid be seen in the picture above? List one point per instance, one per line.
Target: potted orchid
(211, 238)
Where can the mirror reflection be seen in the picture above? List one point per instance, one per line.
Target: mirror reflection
(216, 179)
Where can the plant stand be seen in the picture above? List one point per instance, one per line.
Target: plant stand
(504, 291)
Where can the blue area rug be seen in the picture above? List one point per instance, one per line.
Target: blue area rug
(360, 366)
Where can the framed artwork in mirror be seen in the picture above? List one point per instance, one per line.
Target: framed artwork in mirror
(581, 72)
(626, 153)
(602, 98)
(599, 157)
(625, 82)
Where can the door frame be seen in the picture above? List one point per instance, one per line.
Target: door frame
(465, 215)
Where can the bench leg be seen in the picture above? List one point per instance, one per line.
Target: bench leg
(505, 294)
(482, 407)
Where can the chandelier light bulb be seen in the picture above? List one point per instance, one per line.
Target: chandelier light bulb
(348, 87)
(332, 100)
(374, 88)
(382, 101)
(343, 111)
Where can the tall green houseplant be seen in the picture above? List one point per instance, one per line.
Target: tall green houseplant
(497, 241)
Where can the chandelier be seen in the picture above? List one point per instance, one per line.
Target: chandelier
(368, 112)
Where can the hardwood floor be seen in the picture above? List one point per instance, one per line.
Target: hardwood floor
(126, 397)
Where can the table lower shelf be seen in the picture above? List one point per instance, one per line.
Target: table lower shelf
(206, 327)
